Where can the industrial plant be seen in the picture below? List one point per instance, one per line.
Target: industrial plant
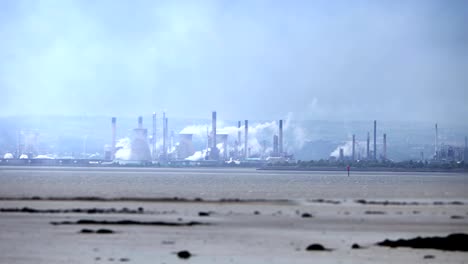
(215, 143)
(224, 146)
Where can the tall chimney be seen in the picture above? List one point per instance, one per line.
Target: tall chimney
(239, 138)
(213, 129)
(375, 139)
(275, 146)
(164, 135)
(436, 154)
(154, 136)
(114, 136)
(368, 142)
(246, 143)
(140, 122)
(280, 139)
(167, 135)
(354, 147)
(384, 146)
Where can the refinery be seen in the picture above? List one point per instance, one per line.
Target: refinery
(218, 144)
(223, 146)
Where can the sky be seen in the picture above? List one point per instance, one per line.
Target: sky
(252, 59)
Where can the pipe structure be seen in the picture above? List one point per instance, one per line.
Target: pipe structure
(213, 129)
(163, 152)
(436, 147)
(275, 146)
(280, 138)
(154, 154)
(246, 140)
(140, 122)
(375, 139)
(239, 137)
(114, 137)
(354, 148)
(167, 134)
(384, 146)
(367, 149)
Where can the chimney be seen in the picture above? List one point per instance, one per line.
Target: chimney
(154, 136)
(436, 147)
(275, 146)
(354, 147)
(246, 143)
(164, 135)
(140, 122)
(166, 132)
(341, 154)
(213, 129)
(367, 149)
(384, 146)
(375, 139)
(280, 139)
(114, 136)
(239, 137)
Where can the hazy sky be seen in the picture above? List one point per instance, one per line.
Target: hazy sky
(337, 60)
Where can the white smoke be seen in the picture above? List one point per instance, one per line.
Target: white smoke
(198, 155)
(8, 156)
(23, 156)
(124, 149)
(347, 150)
(294, 135)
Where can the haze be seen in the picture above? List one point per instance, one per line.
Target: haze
(334, 60)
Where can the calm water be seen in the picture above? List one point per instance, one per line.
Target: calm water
(227, 183)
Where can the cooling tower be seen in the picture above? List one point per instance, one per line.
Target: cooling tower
(185, 148)
(140, 150)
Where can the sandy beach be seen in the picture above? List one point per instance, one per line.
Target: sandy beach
(52, 215)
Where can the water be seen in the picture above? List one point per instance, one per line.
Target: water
(227, 183)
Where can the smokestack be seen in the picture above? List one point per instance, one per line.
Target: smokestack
(167, 134)
(114, 136)
(154, 137)
(436, 147)
(375, 139)
(213, 129)
(239, 137)
(341, 154)
(280, 148)
(246, 143)
(275, 146)
(384, 146)
(140, 122)
(367, 149)
(164, 135)
(354, 147)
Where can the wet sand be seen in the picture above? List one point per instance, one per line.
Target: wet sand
(253, 229)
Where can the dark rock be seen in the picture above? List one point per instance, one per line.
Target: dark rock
(316, 247)
(306, 215)
(456, 217)
(375, 212)
(124, 259)
(204, 213)
(256, 212)
(184, 254)
(104, 231)
(452, 242)
(355, 246)
(429, 257)
(86, 231)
